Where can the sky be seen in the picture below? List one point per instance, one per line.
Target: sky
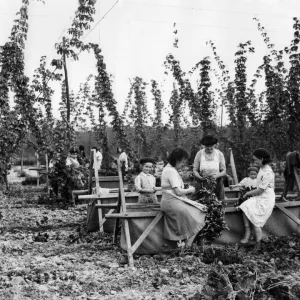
(136, 35)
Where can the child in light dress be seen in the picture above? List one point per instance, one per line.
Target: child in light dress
(145, 182)
(249, 182)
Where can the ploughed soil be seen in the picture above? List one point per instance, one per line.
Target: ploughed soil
(46, 253)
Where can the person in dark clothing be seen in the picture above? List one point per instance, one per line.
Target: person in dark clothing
(81, 157)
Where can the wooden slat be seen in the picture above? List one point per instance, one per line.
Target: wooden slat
(108, 205)
(288, 213)
(106, 178)
(116, 228)
(232, 164)
(146, 232)
(121, 191)
(79, 192)
(289, 204)
(87, 197)
(90, 181)
(125, 221)
(98, 190)
(104, 219)
(47, 172)
(128, 242)
(133, 215)
(100, 217)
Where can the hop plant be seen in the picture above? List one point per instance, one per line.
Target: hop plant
(214, 219)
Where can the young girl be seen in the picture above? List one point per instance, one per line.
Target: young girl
(145, 182)
(249, 182)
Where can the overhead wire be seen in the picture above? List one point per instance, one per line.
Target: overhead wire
(100, 20)
(201, 25)
(209, 9)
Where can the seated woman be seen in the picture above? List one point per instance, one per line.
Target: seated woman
(210, 162)
(182, 220)
(258, 208)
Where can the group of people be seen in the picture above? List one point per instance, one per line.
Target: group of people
(77, 158)
(184, 221)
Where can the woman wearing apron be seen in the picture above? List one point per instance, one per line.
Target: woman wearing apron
(210, 162)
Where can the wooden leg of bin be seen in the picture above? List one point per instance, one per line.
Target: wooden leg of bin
(100, 217)
(116, 229)
(104, 220)
(128, 243)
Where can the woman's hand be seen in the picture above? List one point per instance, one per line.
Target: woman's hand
(216, 176)
(201, 178)
(191, 190)
(245, 195)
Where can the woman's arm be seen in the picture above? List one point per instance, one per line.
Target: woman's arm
(196, 167)
(221, 174)
(222, 166)
(255, 192)
(182, 192)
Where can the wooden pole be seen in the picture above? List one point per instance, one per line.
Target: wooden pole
(22, 157)
(47, 170)
(97, 189)
(222, 114)
(91, 173)
(125, 221)
(232, 164)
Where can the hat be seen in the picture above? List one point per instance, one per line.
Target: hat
(261, 153)
(146, 160)
(208, 140)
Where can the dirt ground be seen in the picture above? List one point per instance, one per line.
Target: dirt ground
(46, 253)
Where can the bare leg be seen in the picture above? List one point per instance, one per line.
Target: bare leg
(246, 220)
(258, 234)
(190, 240)
(247, 229)
(258, 238)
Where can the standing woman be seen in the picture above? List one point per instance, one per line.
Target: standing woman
(210, 162)
(182, 221)
(258, 208)
(123, 159)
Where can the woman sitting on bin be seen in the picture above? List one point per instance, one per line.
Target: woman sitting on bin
(182, 221)
(258, 208)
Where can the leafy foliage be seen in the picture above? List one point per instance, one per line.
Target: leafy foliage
(214, 218)
(105, 93)
(138, 114)
(64, 179)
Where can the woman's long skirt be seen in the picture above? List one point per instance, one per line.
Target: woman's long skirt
(181, 220)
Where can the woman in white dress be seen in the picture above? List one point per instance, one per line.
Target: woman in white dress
(258, 208)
